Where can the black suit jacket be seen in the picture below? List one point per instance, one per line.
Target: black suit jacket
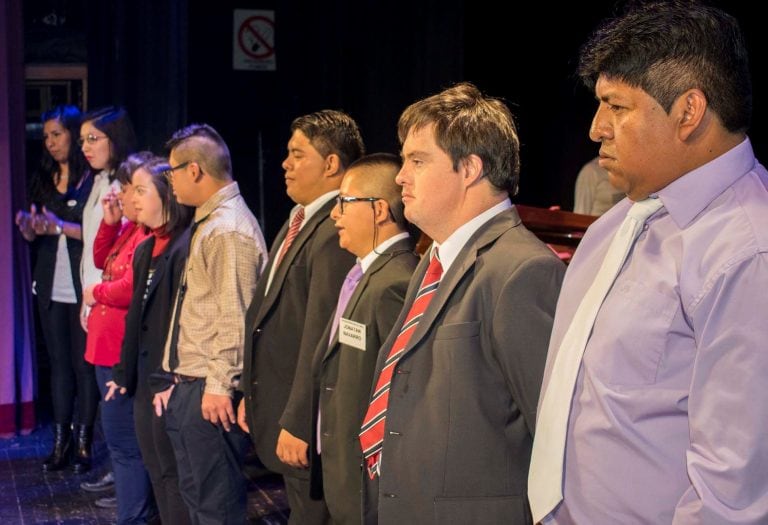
(463, 396)
(285, 327)
(68, 207)
(343, 376)
(147, 321)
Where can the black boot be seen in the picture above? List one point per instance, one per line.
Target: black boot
(82, 461)
(62, 449)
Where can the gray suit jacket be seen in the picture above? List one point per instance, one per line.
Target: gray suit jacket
(285, 327)
(342, 380)
(463, 397)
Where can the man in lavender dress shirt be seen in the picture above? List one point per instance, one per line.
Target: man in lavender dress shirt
(669, 415)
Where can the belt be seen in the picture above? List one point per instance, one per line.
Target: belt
(181, 378)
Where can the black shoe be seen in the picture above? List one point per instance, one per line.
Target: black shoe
(106, 482)
(106, 503)
(62, 449)
(82, 461)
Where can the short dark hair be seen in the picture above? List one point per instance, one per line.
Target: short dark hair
(381, 180)
(666, 48)
(330, 131)
(176, 216)
(465, 123)
(202, 144)
(130, 164)
(69, 117)
(115, 123)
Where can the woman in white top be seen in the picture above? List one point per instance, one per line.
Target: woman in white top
(106, 140)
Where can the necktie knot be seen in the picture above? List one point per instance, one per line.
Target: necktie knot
(293, 231)
(355, 274)
(435, 268)
(643, 209)
(299, 217)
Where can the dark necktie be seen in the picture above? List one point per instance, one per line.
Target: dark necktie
(293, 231)
(372, 431)
(173, 350)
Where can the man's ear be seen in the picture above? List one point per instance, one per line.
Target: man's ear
(332, 165)
(471, 169)
(381, 211)
(691, 106)
(197, 171)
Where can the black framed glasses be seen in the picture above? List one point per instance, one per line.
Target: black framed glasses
(168, 172)
(342, 201)
(90, 139)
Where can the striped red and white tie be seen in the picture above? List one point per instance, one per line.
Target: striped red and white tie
(293, 231)
(372, 431)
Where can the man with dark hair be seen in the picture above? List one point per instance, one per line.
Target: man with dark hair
(653, 406)
(370, 223)
(293, 303)
(204, 349)
(448, 431)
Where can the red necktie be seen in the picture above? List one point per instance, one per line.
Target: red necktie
(293, 231)
(372, 431)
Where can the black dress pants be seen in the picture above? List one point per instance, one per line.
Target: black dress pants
(72, 378)
(208, 459)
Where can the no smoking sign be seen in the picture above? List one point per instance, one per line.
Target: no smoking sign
(254, 40)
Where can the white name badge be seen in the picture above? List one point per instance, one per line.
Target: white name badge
(352, 333)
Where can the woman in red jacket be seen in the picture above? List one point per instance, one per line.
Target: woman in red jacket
(113, 249)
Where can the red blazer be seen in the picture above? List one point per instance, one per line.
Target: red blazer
(113, 252)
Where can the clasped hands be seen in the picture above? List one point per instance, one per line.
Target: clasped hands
(34, 222)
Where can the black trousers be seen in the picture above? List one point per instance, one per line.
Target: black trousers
(208, 459)
(304, 510)
(159, 459)
(72, 378)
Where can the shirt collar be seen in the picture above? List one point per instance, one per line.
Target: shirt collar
(451, 247)
(685, 198)
(367, 261)
(214, 201)
(312, 208)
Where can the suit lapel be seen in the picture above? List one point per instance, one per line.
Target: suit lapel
(280, 273)
(377, 265)
(180, 242)
(465, 260)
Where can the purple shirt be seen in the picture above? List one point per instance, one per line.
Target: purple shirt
(669, 422)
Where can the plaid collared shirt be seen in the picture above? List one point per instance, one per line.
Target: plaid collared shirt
(227, 255)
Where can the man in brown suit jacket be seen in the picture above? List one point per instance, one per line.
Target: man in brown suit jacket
(459, 421)
(370, 222)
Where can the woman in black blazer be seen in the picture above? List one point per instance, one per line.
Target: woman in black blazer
(157, 266)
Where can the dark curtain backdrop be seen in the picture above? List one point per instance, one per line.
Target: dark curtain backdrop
(137, 58)
(17, 414)
(368, 58)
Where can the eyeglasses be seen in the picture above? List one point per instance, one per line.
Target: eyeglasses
(168, 172)
(90, 139)
(341, 201)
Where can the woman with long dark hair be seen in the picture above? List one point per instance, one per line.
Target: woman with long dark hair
(58, 194)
